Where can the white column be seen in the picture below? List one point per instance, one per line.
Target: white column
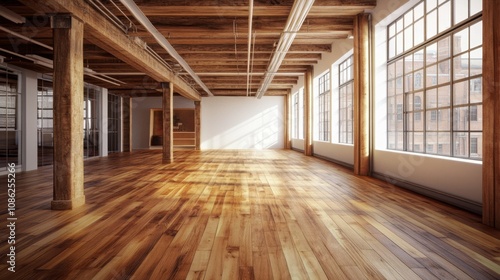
(29, 148)
(103, 123)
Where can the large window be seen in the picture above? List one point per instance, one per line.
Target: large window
(434, 95)
(91, 121)
(10, 133)
(346, 107)
(324, 117)
(298, 115)
(45, 123)
(114, 110)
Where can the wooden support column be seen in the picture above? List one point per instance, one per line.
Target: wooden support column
(68, 112)
(308, 92)
(491, 118)
(288, 102)
(197, 124)
(168, 116)
(362, 89)
(127, 124)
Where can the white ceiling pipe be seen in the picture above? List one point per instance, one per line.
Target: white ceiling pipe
(25, 38)
(297, 16)
(12, 16)
(250, 22)
(160, 39)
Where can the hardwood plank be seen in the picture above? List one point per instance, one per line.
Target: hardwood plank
(249, 214)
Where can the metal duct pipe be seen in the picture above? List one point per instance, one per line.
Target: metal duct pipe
(139, 15)
(299, 12)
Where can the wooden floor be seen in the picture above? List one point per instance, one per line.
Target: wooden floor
(268, 214)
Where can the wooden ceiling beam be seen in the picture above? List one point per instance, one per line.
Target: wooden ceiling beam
(107, 36)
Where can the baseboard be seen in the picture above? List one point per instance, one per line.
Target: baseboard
(459, 202)
(344, 164)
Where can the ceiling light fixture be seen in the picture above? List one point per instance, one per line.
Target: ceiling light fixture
(298, 14)
(160, 39)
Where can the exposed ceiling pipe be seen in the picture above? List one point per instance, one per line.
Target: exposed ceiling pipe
(250, 21)
(244, 74)
(139, 16)
(40, 60)
(12, 16)
(26, 38)
(299, 12)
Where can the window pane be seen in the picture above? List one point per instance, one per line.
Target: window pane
(475, 7)
(461, 118)
(476, 90)
(431, 24)
(443, 47)
(431, 117)
(476, 142)
(399, 43)
(431, 53)
(431, 139)
(461, 10)
(461, 144)
(461, 66)
(419, 10)
(392, 30)
(408, 38)
(431, 4)
(417, 80)
(444, 96)
(461, 93)
(444, 16)
(444, 120)
(443, 72)
(476, 35)
(444, 143)
(476, 62)
(476, 117)
(418, 32)
(391, 71)
(431, 97)
(461, 41)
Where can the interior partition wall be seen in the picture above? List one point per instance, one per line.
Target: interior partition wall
(10, 118)
(114, 112)
(45, 122)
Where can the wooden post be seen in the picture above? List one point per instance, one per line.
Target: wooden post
(68, 113)
(308, 92)
(197, 124)
(287, 99)
(127, 124)
(362, 88)
(168, 116)
(491, 118)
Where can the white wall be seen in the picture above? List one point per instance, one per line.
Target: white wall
(341, 153)
(140, 117)
(242, 122)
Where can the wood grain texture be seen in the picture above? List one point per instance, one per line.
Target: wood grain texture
(491, 118)
(246, 214)
(68, 113)
(361, 94)
(308, 111)
(167, 102)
